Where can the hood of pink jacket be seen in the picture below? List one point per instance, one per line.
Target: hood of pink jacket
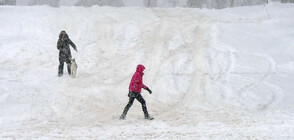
(140, 68)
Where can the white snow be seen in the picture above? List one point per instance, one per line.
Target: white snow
(215, 74)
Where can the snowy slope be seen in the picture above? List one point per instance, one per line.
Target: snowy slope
(215, 74)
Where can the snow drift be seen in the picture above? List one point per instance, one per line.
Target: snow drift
(214, 73)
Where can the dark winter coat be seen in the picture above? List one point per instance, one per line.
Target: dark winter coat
(137, 80)
(63, 47)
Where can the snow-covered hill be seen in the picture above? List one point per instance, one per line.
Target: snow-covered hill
(215, 74)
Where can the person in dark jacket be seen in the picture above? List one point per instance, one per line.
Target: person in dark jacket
(64, 52)
(135, 92)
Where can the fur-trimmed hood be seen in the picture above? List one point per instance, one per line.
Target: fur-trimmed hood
(63, 33)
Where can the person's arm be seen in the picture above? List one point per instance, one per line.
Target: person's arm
(149, 90)
(143, 86)
(139, 81)
(58, 44)
(73, 45)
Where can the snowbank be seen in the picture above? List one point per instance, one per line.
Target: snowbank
(214, 74)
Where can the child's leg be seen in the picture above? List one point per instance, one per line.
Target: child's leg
(143, 103)
(130, 103)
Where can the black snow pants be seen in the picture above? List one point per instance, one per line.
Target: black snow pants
(132, 96)
(64, 58)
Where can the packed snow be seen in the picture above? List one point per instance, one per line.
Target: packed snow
(215, 74)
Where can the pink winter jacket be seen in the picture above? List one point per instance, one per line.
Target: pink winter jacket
(137, 81)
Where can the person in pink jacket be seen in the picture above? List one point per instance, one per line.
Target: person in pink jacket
(135, 92)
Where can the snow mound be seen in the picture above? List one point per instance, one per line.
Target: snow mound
(209, 70)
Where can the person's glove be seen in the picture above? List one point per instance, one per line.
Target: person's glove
(149, 90)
